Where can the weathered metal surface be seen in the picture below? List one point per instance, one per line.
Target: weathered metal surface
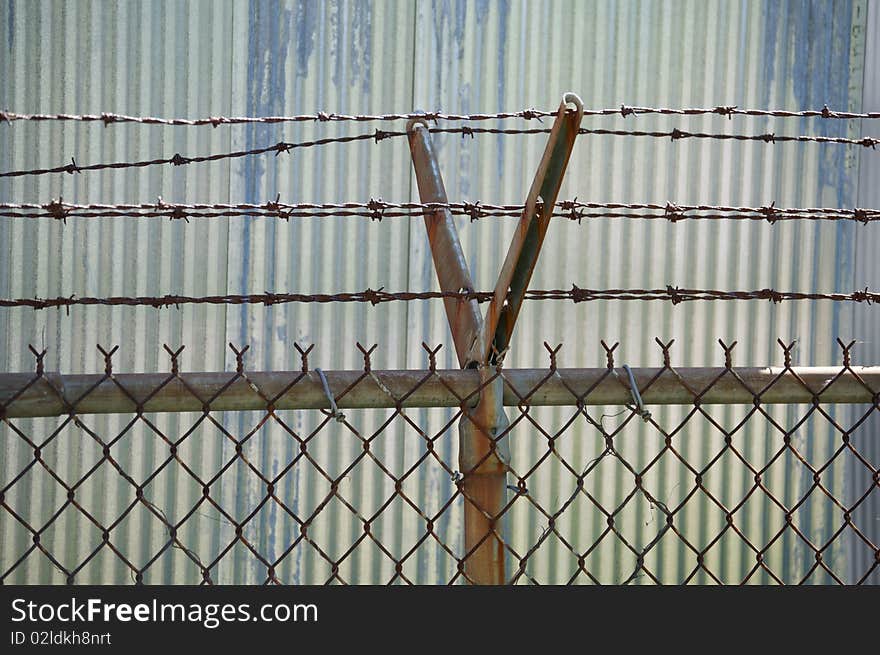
(865, 326)
(236, 58)
(522, 255)
(484, 460)
(95, 394)
(449, 263)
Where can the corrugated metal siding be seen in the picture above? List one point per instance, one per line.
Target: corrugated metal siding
(206, 58)
(865, 325)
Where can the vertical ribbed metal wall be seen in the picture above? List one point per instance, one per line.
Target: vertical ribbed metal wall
(198, 59)
(866, 327)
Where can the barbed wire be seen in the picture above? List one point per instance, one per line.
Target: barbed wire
(179, 160)
(379, 135)
(109, 118)
(674, 135)
(576, 294)
(378, 209)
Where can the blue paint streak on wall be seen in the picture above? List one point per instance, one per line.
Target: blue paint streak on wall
(268, 40)
(458, 28)
(362, 43)
(356, 39)
(305, 19)
(10, 21)
(818, 33)
(482, 10)
(454, 14)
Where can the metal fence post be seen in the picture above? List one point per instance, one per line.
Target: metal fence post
(484, 459)
(483, 464)
(484, 455)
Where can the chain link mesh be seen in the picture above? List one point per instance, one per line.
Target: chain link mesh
(680, 493)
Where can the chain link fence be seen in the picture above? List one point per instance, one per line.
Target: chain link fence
(624, 476)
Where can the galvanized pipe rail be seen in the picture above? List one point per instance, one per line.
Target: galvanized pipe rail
(24, 395)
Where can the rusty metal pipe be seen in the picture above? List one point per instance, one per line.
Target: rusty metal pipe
(449, 261)
(522, 255)
(484, 463)
(484, 459)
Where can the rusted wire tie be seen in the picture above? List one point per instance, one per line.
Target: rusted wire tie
(375, 297)
(377, 209)
(637, 397)
(338, 416)
(379, 135)
(624, 110)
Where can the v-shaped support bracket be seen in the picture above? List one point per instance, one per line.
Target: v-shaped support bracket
(478, 341)
(484, 453)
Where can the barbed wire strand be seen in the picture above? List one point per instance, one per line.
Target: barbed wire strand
(576, 294)
(378, 209)
(379, 135)
(109, 118)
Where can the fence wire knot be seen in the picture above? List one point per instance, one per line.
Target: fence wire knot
(578, 294)
(673, 212)
(377, 209)
(374, 297)
(864, 296)
(637, 397)
(773, 296)
(282, 146)
(674, 295)
(338, 416)
(473, 210)
(56, 210)
(769, 212)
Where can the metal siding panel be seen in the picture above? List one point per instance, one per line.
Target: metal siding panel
(679, 54)
(97, 50)
(204, 58)
(865, 328)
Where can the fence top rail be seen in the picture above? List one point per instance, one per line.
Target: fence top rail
(54, 394)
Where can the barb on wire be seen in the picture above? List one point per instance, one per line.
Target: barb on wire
(567, 209)
(379, 135)
(576, 294)
(108, 118)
